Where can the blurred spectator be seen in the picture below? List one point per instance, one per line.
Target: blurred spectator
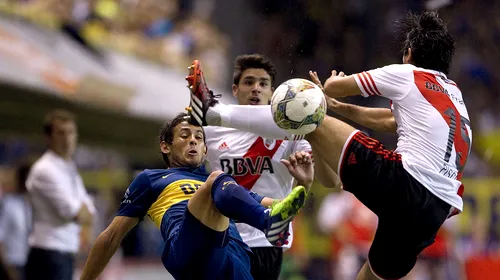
(352, 228)
(59, 200)
(149, 29)
(15, 224)
(440, 260)
(5, 273)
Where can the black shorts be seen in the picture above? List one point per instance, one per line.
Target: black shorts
(266, 262)
(409, 215)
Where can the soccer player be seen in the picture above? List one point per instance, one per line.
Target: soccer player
(412, 189)
(253, 161)
(193, 210)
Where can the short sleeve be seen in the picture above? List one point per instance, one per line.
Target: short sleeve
(138, 198)
(302, 145)
(392, 81)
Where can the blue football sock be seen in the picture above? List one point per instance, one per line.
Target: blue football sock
(237, 203)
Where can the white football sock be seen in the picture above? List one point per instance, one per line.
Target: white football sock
(256, 119)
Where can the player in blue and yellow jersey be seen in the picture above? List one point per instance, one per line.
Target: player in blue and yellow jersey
(194, 211)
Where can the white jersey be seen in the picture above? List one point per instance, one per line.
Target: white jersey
(255, 164)
(433, 127)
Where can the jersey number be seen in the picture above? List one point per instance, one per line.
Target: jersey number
(461, 139)
(189, 188)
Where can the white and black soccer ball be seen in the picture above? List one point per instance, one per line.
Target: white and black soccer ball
(298, 106)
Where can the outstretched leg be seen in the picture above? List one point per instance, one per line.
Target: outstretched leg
(331, 138)
(222, 197)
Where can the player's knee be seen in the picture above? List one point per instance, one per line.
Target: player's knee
(206, 188)
(223, 187)
(213, 176)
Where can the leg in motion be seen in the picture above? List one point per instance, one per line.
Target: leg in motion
(331, 138)
(235, 202)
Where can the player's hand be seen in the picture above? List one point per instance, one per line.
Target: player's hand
(331, 103)
(300, 165)
(315, 79)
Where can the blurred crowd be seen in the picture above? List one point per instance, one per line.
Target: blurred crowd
(168, 32)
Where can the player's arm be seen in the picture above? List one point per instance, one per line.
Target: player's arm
(301, 167)
(106, 245)
(135, 203)
(378, 119)
(392, 81)
(341, 85)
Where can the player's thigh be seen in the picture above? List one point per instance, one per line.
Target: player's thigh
(372, 173)
(193, 249)
(202, 206)
(330, 138)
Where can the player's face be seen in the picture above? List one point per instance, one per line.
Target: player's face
(254, 87)
(63, 138)
(188, 147)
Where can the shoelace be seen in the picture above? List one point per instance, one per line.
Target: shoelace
(213, 97)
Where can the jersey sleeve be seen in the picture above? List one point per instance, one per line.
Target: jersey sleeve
(138, 198)
(392, 81)
(209, 131)
(302, 145)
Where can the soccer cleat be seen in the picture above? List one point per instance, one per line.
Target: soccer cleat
(201, 96)
(281, 214)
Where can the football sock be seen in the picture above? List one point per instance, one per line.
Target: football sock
(256, 119)
(237, 203)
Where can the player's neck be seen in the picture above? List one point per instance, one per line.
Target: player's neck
(66, 156)
(183, 166)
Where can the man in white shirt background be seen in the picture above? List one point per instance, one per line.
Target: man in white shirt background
(59, 200)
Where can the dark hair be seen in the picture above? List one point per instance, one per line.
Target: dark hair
(58, 114)
(256, 61)
(432, 46)
(167, 132)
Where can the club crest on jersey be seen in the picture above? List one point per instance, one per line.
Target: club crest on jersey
(269, 143)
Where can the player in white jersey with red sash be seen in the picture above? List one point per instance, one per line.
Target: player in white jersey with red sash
(254, 161)
(413, 189)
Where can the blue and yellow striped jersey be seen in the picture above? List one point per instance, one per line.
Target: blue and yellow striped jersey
(162, 194)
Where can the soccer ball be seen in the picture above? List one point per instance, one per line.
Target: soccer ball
(298, 106)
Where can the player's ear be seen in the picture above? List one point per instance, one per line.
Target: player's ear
(235, 90)
(205, 150)
(164, 147)
(407, 56)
